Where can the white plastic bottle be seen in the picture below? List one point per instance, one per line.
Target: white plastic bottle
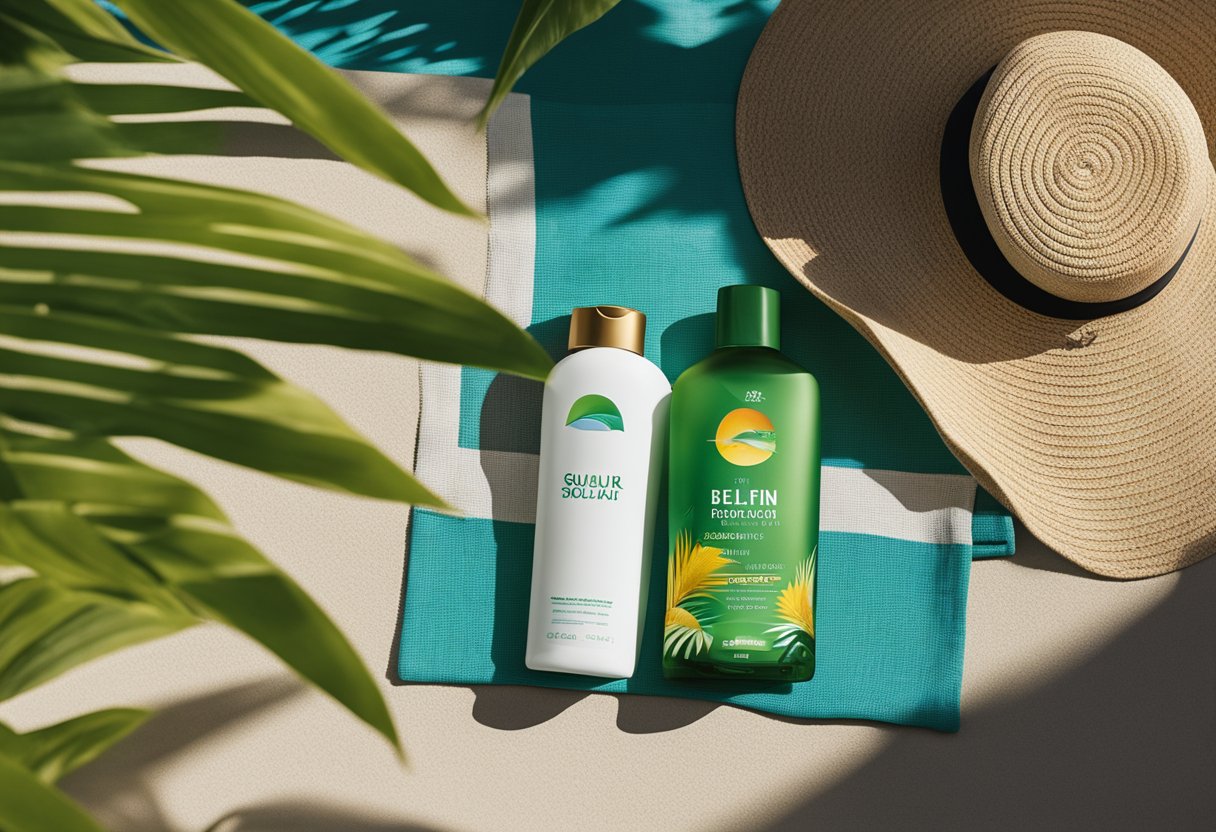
(603, 427)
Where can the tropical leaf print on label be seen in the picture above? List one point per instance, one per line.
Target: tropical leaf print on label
(594, 412)
(691, 570)
(796, 606)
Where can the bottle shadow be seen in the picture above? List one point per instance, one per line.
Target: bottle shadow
(515, 707)
(659, 714)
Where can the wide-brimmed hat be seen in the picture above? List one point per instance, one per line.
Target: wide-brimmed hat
(1014, 202)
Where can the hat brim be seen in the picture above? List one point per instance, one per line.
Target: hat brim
(1100, 435)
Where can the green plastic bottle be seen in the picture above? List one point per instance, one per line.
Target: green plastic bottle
(744, 504)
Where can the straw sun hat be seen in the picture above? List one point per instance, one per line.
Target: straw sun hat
(1013, 201)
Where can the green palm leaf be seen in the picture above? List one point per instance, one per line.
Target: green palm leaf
(83, 29)
(55, 750)
(252, 54)
(49, 629)
(91, 346)
(39, 116)
(316, 280)
(540, 26)
(148, 99)
(190, 394)
(127, 553)
(29, 805)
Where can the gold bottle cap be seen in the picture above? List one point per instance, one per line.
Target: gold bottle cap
(607, 326)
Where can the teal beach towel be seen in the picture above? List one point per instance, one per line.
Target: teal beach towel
(612, 179)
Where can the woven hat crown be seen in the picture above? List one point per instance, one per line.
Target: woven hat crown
(1090, 165)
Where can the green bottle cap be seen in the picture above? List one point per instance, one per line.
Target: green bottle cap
(749, 316)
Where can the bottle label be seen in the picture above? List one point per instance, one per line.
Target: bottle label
(583, 620)
(591, 486)
(741, 569)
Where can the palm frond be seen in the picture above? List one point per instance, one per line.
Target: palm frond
(103, 274)
(540, 25)
(796, 604)
(691, 568)
(683, 630)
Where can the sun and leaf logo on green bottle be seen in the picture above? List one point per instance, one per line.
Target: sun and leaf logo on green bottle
(596, 413)
(745, 436)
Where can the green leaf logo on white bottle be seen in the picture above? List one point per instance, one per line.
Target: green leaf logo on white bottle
(594, 412)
